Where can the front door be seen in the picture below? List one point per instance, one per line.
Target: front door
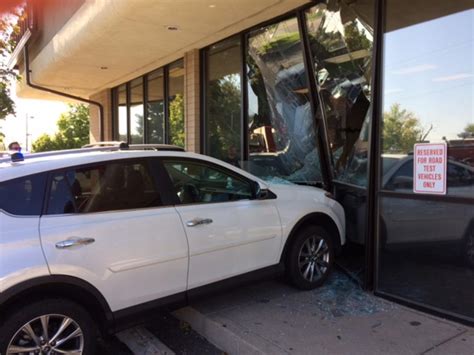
(229, 232)
(107, 224)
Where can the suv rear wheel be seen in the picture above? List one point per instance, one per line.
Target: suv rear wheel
(51, 326)
(310, 258)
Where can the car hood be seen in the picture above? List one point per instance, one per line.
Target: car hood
(297, 191)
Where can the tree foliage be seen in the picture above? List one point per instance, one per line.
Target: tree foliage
(224, 115)
(9, 15)
(177, 120)
(73, 131)
(401, 130)
(468, 131)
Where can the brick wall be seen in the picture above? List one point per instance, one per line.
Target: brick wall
(104, 97)
(192, 102)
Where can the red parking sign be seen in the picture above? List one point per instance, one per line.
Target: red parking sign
(429, 171)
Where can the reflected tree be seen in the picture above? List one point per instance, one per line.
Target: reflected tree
(468, 131)
(401, 130)
(177, 120)
(224, 114)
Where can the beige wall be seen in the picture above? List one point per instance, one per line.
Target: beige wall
(192, 102)
(50, 17)
(104, 97)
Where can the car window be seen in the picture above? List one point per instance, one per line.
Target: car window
(198, 182)
(23, 196)
(402, 179)
(103, 187)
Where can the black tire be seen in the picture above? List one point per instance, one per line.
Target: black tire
(297, 262)
(58, 310)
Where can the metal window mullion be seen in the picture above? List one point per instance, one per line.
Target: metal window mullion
(166, 103)
(145, 109)
(373, 212)
(128, 99)
(114, 112)
(244, 112)
(320, 126)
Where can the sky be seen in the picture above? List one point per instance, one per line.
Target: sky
(429, 70)
(42, 117)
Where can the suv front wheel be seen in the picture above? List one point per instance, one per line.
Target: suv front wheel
(51, 326)
(310, 258)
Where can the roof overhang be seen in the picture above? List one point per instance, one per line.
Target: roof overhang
(108, 42)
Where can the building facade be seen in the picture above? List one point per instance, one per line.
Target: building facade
(371, 100)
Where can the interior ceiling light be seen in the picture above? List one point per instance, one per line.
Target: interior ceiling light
(104, 68)
(172, 28)
(212, 6)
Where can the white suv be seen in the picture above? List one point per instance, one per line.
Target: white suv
(90, 239)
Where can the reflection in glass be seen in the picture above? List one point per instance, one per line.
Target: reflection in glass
(223, 101)
(136, 111)
(427, 242)
(122, 112)
(156, 109)
(281, 132)
(176, 103)
(341, 46)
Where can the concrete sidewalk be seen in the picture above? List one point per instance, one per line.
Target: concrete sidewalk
(273, 318)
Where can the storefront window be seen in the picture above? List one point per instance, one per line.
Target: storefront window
(341, 47)
(427, 235)
(136, 111)
(156, 107)
(223, 100)
(281, 132)
(122, 112)
(176, 103)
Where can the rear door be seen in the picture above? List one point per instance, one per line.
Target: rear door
(109, 224)
(229, 232)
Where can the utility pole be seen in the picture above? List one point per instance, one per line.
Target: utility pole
(26, 132)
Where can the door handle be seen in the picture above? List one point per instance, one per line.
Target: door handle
(198, 221)
(74, 242)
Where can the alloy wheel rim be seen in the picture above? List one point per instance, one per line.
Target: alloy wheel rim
(49, 334)
(313, 258)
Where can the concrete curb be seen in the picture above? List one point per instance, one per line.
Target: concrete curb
(227, 335)
(141, 342)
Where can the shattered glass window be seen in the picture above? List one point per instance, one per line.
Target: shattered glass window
(341, 46)
(281, 133)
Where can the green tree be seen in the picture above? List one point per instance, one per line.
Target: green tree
(73, 131)
(468, 131)
(9, 15)
(177, 120)
(401, 130)
(224, 115)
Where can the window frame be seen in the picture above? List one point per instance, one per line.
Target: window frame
(43, 195)
(253, 184)
(154, 172)
(322, 139)
(166, 103)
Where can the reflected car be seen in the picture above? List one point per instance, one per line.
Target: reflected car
(92, 240)
(440, 221)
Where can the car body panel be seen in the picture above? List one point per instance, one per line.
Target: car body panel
(244, 235)
(295, 202)
(137, 256)
(21, 257)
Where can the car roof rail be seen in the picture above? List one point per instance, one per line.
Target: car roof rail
(125, 145)
(96, 147)
(105, 144)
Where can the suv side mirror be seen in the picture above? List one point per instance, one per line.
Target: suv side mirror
(402, 182)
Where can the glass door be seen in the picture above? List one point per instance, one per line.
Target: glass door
(426, 197)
